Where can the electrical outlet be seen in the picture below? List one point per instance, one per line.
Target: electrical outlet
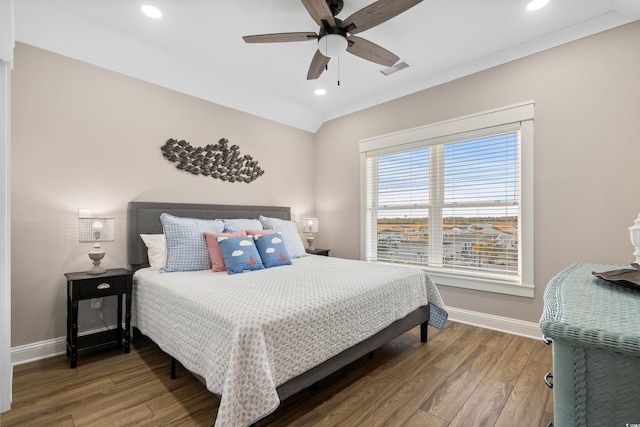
(96, 303)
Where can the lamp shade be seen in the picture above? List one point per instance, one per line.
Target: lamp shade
(95, 230)
(332, 45)
(310, 225)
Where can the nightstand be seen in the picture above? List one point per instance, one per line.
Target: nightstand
(81, 286)
(323, 252)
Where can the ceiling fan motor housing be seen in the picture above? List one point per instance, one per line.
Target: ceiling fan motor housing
(328, 29)
(335, 6)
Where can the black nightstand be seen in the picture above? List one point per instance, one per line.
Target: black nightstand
(82, 286)
(323, 252)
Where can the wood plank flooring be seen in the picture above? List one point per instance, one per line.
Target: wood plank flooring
(464, 376)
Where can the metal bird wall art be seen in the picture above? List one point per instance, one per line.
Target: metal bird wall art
(219, 161)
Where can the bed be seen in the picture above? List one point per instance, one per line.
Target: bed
(258, 337)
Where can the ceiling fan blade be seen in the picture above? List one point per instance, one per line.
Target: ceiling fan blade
(318, 64)
(375, 14)
(371, 51)
(280, 37)
(319, 11)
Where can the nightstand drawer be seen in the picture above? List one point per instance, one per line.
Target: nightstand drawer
(100, 287)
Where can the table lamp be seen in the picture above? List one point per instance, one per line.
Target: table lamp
(96, 230)
(310, 225)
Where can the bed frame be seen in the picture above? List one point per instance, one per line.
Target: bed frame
(144, 218)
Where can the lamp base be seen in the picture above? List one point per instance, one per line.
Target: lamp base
(96, 255)
(97, 269)
(311, 241)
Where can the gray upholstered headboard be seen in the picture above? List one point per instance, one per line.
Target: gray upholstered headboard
(144, 218)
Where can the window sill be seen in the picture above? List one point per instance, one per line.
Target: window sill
(482, 284)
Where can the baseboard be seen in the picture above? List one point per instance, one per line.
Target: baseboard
(48, 348)
(43, 349)
(497, 323)
(38, 350)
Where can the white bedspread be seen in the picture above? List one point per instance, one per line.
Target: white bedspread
(246, 334)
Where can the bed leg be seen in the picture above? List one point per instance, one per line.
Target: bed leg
(173, 368)
(423, 332)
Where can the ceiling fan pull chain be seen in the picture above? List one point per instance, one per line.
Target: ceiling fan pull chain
(338, 71)
(326, 44)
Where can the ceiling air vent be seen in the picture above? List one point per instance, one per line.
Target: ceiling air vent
(399, 66)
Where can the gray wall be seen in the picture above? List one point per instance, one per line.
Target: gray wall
(586, 156)
(85, 137)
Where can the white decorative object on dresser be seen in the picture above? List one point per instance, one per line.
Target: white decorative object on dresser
(634, 232)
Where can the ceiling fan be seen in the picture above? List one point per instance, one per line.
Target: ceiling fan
(335, 35)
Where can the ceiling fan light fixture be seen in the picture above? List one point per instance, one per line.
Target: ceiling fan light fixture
(332, 45)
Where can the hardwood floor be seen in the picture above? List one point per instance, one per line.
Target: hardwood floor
(464, 376)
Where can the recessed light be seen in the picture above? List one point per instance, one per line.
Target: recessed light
(537, 4)
(320, 92)
(151, 11)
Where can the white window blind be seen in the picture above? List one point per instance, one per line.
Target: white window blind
(451, 204)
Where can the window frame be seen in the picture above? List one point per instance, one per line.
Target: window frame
(452, 130)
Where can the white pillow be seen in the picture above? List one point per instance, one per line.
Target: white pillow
(156, 250)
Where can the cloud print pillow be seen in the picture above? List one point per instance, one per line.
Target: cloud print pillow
(272, 250)
(240, 254)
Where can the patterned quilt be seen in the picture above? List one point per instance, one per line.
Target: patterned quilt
(245, 334)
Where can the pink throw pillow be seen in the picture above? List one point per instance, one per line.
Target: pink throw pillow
(263, 232)
(217, 261)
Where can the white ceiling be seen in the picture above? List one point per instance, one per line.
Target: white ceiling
(197, 46)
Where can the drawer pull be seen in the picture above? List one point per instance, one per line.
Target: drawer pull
(546, 340)
(103, 286)
(546, 379)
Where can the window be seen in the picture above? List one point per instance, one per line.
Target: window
(455, 199)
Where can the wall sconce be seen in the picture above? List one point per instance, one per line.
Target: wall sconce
(96, 230)
(311, 225)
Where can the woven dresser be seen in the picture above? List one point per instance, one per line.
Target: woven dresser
(595, 329)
